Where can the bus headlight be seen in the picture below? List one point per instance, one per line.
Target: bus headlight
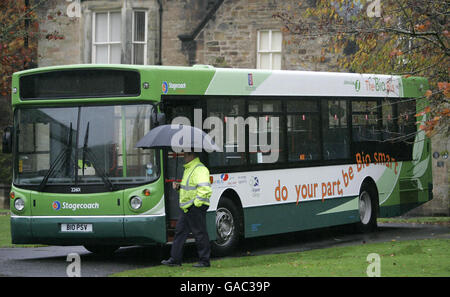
(135, 202)
(19, 204)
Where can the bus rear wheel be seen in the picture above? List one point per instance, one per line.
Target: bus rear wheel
(228, 228)
(367, 210)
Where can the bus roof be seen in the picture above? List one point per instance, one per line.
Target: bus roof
(208, 80)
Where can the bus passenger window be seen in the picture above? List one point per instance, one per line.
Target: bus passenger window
(265, 131)
(336, 136)
(266, 139)
(303, 132)
(389, 119)
(231, 112)
(364, 121)
(406, 119)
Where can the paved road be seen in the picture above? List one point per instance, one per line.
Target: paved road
(51, 261)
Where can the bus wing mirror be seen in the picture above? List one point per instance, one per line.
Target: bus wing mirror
(158, 119)
(7, 140)
(161, 118)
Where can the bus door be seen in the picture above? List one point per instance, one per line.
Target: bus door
(173, 162)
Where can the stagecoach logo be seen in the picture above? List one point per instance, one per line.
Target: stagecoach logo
(56, 205)
(174, 86)
(165, 87)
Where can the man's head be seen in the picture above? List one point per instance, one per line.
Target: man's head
(189, 156)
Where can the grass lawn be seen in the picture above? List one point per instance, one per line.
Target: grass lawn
(5, 236)
(417, 220)
(5, 232)
(430, 257)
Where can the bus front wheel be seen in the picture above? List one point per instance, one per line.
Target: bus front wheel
(228, 228)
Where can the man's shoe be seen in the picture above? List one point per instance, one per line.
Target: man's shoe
(201, 265)
(170, 262)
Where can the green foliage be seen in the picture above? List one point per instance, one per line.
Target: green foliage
(18, 45)
(5, 168)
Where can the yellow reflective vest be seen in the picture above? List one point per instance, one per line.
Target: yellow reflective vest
(195, 188)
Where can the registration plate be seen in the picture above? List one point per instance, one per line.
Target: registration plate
(76, 227)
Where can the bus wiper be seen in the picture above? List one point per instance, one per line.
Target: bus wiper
(65, 152)
(87, 151)
(86, 137)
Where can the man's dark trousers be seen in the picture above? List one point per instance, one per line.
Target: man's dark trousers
(193, 221)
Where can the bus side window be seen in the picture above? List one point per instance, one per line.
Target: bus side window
(303, 122)
(266, 131)
(390, 126)
(230, 111)
(364, 121)
(336, 138)
(407, 119)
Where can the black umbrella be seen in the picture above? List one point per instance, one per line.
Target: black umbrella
(178, 138)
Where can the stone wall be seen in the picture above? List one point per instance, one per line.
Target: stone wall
(230, 38)
(67, 39)
(180, 17)
(60, 41)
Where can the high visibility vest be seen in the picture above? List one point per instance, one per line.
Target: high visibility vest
(195, 188)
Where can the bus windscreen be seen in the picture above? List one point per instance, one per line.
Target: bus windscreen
(82, 83)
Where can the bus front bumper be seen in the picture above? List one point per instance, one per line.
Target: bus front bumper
(104, 230)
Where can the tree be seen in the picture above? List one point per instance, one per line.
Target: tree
(18, 34)
(401, 37)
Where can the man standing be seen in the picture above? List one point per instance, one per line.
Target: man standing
(195, 190)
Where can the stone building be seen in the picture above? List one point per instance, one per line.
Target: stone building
(223, 33)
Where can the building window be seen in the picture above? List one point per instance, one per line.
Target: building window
(106, 32)
(108, 38)
(269, 49)
(139, 44)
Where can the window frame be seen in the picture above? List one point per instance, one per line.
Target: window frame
(270, 51)
(134, 42)
(108, 43)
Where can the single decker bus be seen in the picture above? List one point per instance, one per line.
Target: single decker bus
(300, 150)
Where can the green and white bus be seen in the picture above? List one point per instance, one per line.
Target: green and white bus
(348, 151)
